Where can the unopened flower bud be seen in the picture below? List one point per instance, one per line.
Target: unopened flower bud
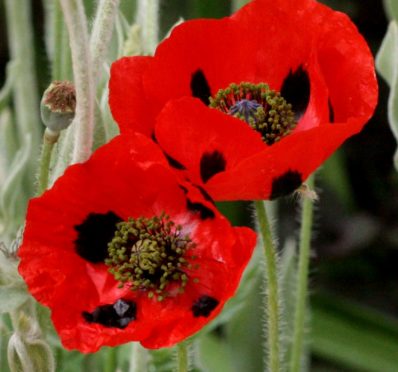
(58, 105)
(27, 351)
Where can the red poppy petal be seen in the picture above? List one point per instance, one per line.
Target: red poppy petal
(127, 96)
(348, 69)
(261, 43)
(79, 288)
(295, 158)
(85, 189)
(215, 280)
(205, 141)
(212, 64)
(75, 333)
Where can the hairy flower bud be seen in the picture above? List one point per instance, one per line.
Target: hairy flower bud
(58, 105)
(27, 351)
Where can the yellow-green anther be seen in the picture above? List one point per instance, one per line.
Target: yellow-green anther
(262, 108)
(147, 254)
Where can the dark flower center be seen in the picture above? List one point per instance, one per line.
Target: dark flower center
(265, 110)
(148, 254)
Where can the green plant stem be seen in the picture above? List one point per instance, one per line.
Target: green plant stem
(60, 50)
(83, 123)
(58, 31)
(49, 140)
(182, 357)
(148, 20)
(139, 358)
(302, 281)
(273, 308)
(111, 360)
(101, 33)
(45, 160)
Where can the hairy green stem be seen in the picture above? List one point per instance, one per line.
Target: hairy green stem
(65, 147)
(49, 140)
(111, 360)
(58, 29)
(59, 44)
(139, 359)
(102, 32)
(273, 308)
(302, 282)
(83, 123)
(148, 20)
(182, 357)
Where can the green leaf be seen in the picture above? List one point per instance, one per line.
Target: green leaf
(9, 275)
(12, 298)
(215, 354)
(245, 331)
(12, 197)
(387, 54)
(354, 336)
(4, 337)
(109, 126)
(126, 38)
(6, 90)
(128, 8)
(387, 65)
(8, 142)
(163, 360)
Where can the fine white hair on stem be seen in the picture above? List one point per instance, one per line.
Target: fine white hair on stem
(139, 358)
(101, 33)
(148, 20)
(83, 123)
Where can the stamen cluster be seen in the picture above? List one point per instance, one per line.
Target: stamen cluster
(148, 254)
(265, 110)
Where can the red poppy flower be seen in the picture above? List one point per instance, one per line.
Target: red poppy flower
(121, 252)
(312, 55)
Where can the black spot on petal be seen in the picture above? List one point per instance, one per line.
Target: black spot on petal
(200, 87)
(296, 90)
(211, 163)
(205, 194)
(331, 112)
(94, 234)
(154, 139)
(204, 211)
(174, 163)
(203, 306)
(285, 184)
(184, 189)
(118, 315)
